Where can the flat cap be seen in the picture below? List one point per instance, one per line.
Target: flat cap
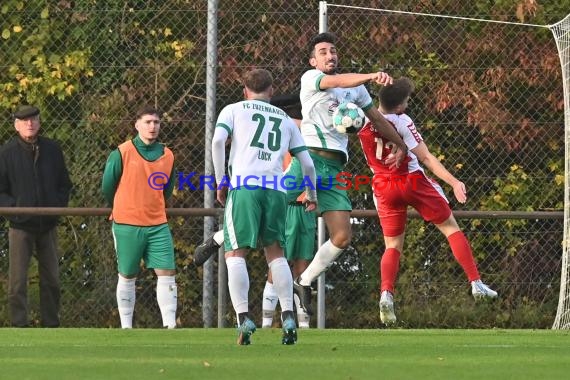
(26, 111)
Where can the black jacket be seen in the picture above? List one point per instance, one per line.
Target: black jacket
(33, 175)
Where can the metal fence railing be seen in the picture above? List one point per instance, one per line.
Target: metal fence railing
(432, 291)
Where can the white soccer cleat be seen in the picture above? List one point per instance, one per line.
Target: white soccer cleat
(387, 315)
(480, 290)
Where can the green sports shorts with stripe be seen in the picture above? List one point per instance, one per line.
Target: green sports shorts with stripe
(300, 233)
(152, 244)
(330, 198)
(254, 214)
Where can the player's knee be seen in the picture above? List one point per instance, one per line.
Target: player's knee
(341, 240)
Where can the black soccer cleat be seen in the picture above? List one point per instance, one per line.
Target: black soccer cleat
(304, 294)
(205, 250)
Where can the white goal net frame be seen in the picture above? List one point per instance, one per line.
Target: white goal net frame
(561, 32)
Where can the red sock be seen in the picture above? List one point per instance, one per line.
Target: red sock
(463, 254)
(389, 267)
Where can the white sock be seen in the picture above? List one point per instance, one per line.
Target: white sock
(324, 257)
(219, 237)
(282, 282)
(269, 304)
(238, 283)
(167, 297)
(126, 300)
(302, 317)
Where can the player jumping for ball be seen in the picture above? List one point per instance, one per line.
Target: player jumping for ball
(322, 90)
(397, 188)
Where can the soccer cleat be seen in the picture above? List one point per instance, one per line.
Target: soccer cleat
(205, 250)
(480, 290)
(387, 315)
(244, 332)
(304, 294)
(289, 331)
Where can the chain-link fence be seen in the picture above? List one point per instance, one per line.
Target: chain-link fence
(488, 102)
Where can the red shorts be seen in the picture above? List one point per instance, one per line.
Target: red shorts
(393, 193)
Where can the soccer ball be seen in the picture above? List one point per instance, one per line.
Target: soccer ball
(348, 118)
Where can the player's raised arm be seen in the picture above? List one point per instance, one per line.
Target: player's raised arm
(354, 79)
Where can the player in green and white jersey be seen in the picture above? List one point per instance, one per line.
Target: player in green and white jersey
(260, 135)
(322, 90)
(299, 246)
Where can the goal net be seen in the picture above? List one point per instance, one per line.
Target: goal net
(489, 103)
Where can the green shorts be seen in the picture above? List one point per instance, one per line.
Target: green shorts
(329, 196)
(300, 233)
(252, 215)
(152, 244)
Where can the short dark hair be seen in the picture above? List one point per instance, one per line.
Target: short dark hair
(321, 37)
(395, 94)
(258, 80)
(146, 110)
(290, 103)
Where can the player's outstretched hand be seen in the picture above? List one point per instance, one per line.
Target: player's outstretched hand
(397, 156)
(383, 79)
(460, 192)
(310, 200)
(310, 205)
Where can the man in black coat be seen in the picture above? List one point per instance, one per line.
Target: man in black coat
(33, 174)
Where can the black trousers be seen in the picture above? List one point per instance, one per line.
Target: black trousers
(22, 246)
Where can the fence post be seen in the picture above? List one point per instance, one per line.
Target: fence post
(209, 196)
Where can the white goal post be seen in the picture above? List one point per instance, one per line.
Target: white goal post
(561, 32)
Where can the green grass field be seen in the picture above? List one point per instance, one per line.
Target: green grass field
(320, 354)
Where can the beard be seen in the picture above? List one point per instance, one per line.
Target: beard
(332, 71)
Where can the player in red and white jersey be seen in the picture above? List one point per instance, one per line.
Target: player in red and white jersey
(397, 188)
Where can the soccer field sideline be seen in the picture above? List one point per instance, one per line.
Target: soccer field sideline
(319, 354)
